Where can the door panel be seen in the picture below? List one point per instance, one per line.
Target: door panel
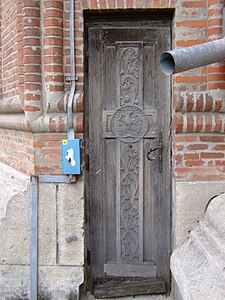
(128, 196)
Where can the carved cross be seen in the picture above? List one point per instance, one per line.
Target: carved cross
(129, 125)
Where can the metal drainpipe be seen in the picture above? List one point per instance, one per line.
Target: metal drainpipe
(64, 179)
(34, 239)
(35, 180)
(223, 29)
(187, 58)
(73, 75)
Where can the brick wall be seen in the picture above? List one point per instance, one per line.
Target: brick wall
(10, 14)
(17, 150)
(200, 157)
(36, 62)
(35, 57)
(199, 97)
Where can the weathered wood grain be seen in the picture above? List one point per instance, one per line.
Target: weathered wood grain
(127, 104)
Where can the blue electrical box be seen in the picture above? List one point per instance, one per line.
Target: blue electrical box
(71, 156)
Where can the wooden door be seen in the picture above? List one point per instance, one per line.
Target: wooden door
(127, 187)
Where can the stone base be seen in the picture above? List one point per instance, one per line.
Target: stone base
(189, 203)
(60, 237)
(198, 265)
(54, 282)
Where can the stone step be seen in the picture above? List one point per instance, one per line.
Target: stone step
(211, 253)
(215, 213)
(213, 235)
(88, 296)
(198, 266)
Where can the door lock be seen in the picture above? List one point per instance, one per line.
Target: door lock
(151, 152)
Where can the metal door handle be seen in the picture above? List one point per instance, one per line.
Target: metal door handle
(151, 154)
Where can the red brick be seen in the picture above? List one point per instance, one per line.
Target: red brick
(139, 3)
(191, 170)
(218, 105)
(54, 4)
(214, 12)
(51, 151)
(192, 23)
(178, 120)
(216, 68)
(188, 43)
(216, 85)
(31, 108)
(38, 144)
(53, 13)
(102, 4)
(179, 138)
(156, 3)
(179, 147)
(187, 79)
(215, 31)
(190, 138)
(112, 3)
(179, 157)
(191, 156)
(212, 139)
(191, 163)
(194, 4)
(220, 163)
(190, 123)
(207, 177)
(216, 77)
(219, 147)
(211, 155)
(197, 147)
(199, 121)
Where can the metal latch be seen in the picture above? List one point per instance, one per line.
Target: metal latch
(151, 153)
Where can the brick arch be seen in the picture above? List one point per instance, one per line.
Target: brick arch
(124, 4)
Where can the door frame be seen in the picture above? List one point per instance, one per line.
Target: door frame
(102, 17)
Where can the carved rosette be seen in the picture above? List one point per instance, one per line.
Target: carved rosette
(129, 124)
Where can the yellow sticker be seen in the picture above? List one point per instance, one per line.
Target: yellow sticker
(65, 142)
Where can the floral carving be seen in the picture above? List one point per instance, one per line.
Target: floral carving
(129, 203)
(129, 76)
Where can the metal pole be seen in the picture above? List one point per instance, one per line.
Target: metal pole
(73, 75)
(34, 238)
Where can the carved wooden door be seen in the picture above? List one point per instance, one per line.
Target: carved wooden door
(127, 187)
